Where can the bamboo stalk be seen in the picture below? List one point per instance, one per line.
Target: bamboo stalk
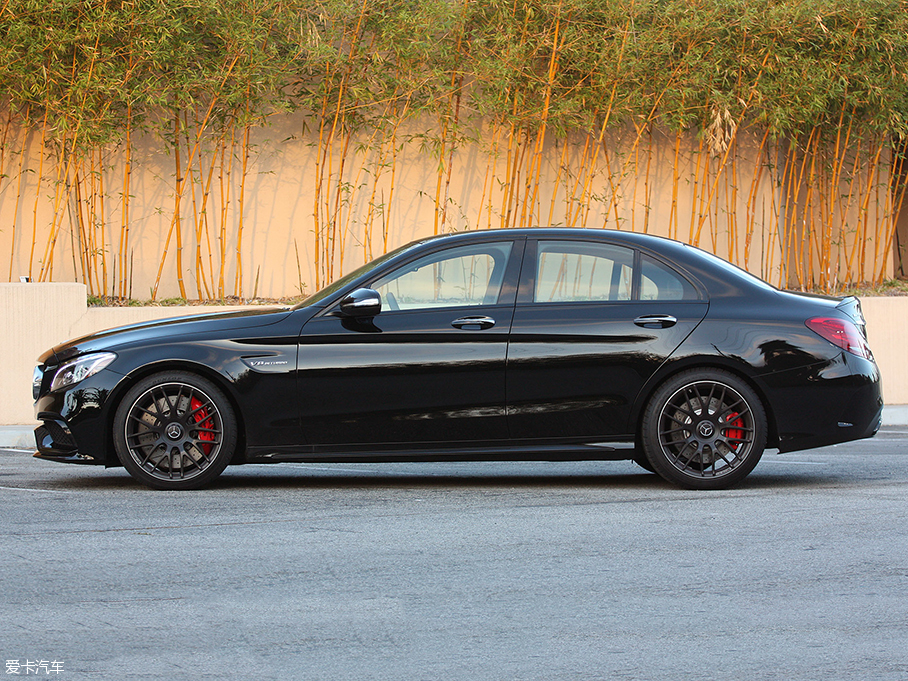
(901, 181)
(26, 134)
(124, 217)
(61, 190)
(238, 280)
(101, 221)
(562, 169)
(84, 238)
(865, 209)
(224, 183)
(750, 215)
(676, 178)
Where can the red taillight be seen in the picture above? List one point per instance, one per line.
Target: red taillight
(842, 333)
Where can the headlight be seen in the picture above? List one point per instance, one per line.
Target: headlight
(37, 379)
(80, 368)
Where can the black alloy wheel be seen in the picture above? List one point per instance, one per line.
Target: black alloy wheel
(175, 430)
(704, 429)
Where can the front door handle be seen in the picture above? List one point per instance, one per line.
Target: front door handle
(656, 321)
(473, 323)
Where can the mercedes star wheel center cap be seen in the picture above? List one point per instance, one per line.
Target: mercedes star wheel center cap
(706, 429)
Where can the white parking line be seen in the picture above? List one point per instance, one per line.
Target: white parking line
(32, 489)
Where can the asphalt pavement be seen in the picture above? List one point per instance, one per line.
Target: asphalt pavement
(474, 571)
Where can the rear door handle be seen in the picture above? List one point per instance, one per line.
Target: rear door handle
(656, 321)
(473, 323)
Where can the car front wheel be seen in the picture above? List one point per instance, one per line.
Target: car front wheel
(704, 429)
(175, 430)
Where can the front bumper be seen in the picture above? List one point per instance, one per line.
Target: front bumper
(75, 422)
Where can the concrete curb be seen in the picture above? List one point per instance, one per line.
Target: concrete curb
(23, 437)
(17, 437)
(895, 415)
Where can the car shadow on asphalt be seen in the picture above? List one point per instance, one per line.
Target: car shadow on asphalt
(245, 478)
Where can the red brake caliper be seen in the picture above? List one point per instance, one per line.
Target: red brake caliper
(200, 416)
(732, 433)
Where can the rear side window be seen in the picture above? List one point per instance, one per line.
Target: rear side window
(585, 271)
(576, 271)
(660, 282)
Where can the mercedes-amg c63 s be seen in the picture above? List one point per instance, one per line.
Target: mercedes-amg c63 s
(549, 344)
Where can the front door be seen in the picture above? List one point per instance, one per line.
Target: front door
(429, 368)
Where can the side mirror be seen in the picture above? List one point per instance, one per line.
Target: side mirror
(363, 302)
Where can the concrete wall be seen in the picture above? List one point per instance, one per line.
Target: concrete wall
(38, 316)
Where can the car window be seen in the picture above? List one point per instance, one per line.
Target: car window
(660, 282)
(456, 277)
(576, 271)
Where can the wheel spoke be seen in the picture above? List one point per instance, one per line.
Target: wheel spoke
(155, 415)
(201, 407)
(709, 400)
(161, 399)
(683, 429)
(198, 429)
(177, 400)
(679, 421)
(730, 408)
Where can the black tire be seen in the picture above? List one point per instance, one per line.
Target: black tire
(175, 430)
(704, 429)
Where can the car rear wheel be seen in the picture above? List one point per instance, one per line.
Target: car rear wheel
(704, 429)
(175, 430)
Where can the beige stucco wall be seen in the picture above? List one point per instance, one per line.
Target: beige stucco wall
(887, 331)
(656, 187)
(38, 316)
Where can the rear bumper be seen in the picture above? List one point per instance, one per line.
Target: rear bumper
(836, 401)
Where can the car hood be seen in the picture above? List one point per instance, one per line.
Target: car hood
(172, 327)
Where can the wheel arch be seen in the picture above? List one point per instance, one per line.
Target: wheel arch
(669, 370)
(133, 377)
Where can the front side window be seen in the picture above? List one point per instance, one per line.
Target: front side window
(456, 277)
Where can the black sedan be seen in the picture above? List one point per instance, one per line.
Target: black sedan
(549, 344)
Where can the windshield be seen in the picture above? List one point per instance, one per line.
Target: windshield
(337, 285)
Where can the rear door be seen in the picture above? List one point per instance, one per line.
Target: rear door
(593, 322)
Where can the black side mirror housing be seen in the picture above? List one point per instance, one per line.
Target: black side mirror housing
(363, 302)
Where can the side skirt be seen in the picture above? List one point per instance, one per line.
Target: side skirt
(599, 451)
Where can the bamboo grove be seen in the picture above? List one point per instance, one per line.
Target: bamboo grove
(577, 111)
